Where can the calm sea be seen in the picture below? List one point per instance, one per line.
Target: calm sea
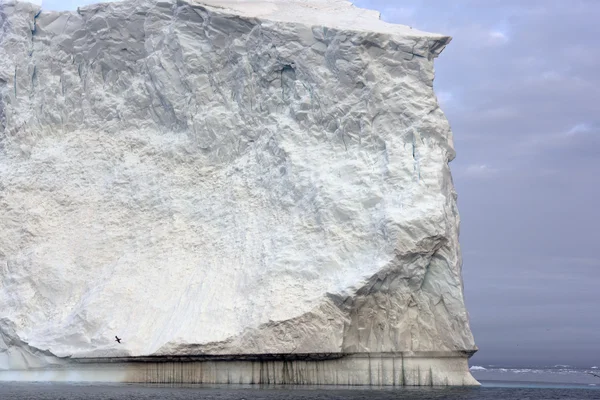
(499, 383)
(557, 374)
(62, 391)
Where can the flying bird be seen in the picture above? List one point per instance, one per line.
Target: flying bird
(117, 339)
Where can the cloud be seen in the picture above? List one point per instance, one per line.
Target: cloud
(550, 76)
(478, 171)
(579, 128)
(576, 261)
(498, 37)
(500, 33)
(576, 136)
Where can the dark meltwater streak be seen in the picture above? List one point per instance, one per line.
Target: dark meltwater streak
(76, 391)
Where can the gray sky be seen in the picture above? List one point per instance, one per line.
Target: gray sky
(520, 84)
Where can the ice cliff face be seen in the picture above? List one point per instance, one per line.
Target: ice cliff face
(223, 177)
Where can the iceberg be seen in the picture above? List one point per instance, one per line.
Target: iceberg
(242, 191)
(477, 368)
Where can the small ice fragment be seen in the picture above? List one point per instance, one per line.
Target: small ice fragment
(477, 368)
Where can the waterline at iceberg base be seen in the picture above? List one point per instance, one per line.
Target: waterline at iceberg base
(242, 191)
(385, 369)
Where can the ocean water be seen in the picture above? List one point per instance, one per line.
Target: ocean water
(556, 374)
(490, 390)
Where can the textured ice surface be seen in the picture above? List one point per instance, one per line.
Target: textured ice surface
(223, 177)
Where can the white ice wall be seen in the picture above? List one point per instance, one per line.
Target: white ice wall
(224, 177)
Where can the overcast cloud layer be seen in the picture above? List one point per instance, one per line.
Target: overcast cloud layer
(520, 84)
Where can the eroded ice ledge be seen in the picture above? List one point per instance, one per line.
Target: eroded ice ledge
(374, 369)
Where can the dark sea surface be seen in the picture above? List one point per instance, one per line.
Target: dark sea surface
(490, 390)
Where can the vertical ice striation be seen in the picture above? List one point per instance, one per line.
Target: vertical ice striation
(220, 177)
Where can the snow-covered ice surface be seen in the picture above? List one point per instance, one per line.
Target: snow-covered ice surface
(223, 177)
